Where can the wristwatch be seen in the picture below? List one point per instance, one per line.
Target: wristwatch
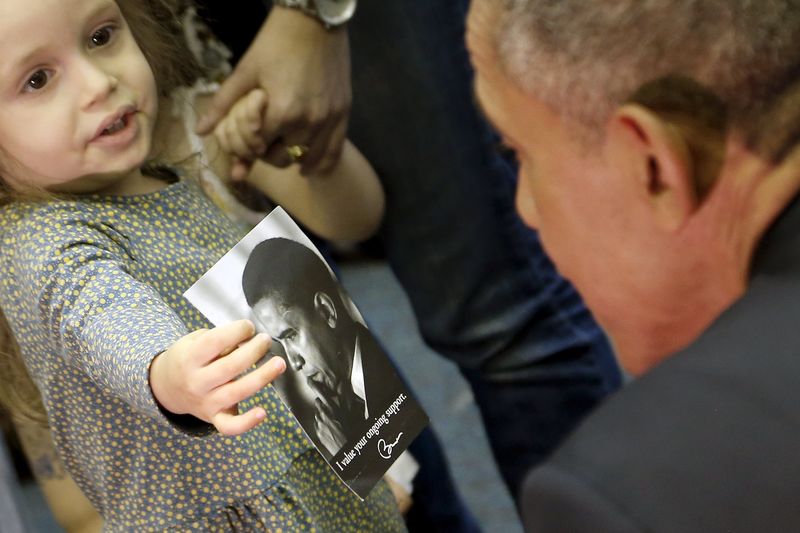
(330, 13)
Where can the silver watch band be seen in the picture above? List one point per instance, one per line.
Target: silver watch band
(310, 8)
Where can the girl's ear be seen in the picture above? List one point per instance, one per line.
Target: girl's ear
(326, 308)
(658, 154)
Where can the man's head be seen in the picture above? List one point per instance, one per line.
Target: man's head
(296, 300)
(644, 131)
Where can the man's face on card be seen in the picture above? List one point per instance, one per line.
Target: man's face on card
(308, 338)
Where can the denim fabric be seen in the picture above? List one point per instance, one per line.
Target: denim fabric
(483, 292)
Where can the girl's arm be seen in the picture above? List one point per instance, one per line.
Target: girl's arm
(345, 205)
(69, 506)
(94, 313)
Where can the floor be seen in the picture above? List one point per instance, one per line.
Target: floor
(438, 385)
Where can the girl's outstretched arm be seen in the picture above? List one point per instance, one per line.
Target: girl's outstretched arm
(203, 374)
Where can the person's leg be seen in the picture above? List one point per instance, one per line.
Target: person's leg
(437, 506)
(483, 291)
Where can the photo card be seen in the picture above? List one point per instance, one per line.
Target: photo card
(339, 384)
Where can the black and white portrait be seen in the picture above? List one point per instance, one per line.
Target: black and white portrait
(296, 300)
(338, 382)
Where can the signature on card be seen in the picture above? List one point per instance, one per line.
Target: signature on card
(385, 449)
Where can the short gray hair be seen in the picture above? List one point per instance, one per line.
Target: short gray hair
(586, 57)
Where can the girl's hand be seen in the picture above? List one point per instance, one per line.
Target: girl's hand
(202, 375)
(239, 133)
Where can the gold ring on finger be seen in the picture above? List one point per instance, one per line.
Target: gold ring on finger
(296, 152)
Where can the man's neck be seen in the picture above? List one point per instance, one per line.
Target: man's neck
(712, 257)
(662, 330)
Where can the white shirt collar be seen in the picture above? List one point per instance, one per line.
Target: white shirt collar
(357, 377)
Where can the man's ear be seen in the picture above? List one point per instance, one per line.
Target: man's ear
(323, 304)
(661, 162)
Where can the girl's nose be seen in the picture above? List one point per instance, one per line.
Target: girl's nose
(97, 83)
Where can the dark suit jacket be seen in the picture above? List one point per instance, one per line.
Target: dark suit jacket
(382, 384)
(709, 440)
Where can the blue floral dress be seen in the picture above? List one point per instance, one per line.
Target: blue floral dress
(92, 290)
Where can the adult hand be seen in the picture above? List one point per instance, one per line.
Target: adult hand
(305, 71)
(339, 416)
(330, 430)
(202, 374)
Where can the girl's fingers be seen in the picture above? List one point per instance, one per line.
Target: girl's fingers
(230, 140)
(240, 168)
(229, 423)
(221, 134)
(230, 394)
(321, 147)
(248, 122)
(240, 132)
(256, 105)
(221, 340)
(237, 143)
(228, 368)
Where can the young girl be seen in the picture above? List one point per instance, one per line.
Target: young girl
(100, 239)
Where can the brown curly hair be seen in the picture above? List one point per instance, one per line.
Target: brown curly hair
(155, 26)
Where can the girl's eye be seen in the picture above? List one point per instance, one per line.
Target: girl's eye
(37, 81)
(102, 36)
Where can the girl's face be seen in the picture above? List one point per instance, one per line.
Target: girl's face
(78, 99)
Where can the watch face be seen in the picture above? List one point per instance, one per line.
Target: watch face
(335, 11)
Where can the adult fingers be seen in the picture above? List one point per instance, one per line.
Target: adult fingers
(277, 155)
(324, 408)
(323, 425)
(777, 189)
(277, 123)
(318, 146)
(241, 80)
(332, 145)
(320, 390)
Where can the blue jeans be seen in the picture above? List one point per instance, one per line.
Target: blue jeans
(484, 293)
